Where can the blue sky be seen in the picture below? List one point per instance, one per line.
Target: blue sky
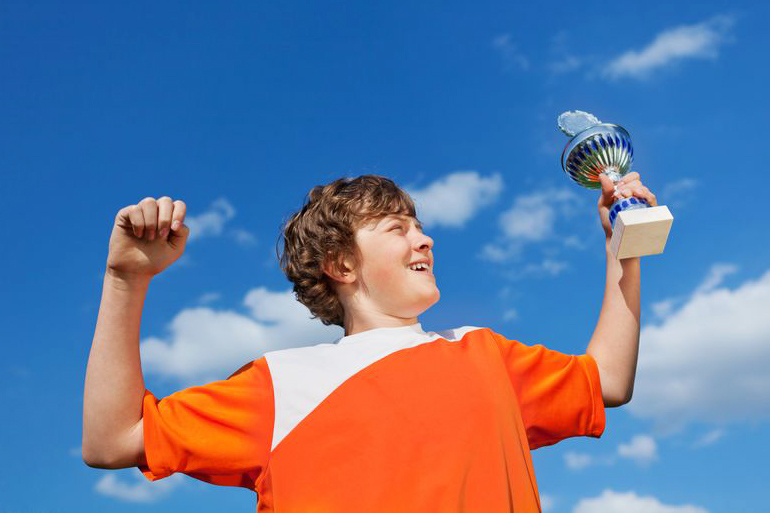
(239, 109)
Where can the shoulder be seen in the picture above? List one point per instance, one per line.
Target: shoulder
(462, 331)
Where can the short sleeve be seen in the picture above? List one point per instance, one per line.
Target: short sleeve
(559, 395)
(220, 432)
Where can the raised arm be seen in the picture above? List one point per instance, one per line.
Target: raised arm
(615, 341)
(114, 386)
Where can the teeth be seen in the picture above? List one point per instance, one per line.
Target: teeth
(420, 265)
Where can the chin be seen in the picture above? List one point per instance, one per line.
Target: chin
(432, 300)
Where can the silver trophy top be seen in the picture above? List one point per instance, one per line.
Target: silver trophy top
(594, 148)
(575, 121)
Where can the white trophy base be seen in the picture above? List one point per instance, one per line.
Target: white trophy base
(641, 232)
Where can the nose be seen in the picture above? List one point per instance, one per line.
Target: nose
(422, 242)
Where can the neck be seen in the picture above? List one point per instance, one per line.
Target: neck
(365, 321)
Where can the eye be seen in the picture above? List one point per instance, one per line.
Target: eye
(396, 227)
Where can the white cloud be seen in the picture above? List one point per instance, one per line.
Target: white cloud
(243, 237)
(701, 41)
(141, 490)
(548, 266)
(532, 219)
(629, 502)
(709, 438)
(577, 460)
(209, 297)
(210, 222)
(580, 460)
(510, 315)
(707, 360)
(454, 199)
(499, 251)
(512, 57)
(674, 192)
(642, 449)
(664, 308)
(532, 216)
(715, 277)
(206, 345)
(564, 61)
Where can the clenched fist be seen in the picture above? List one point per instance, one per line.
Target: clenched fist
(629, 185)
(147, 237)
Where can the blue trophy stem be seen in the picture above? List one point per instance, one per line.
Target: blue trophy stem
(623, 204)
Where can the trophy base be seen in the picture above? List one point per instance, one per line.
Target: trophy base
(640, 232)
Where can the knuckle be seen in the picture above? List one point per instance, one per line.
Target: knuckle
(148, 199)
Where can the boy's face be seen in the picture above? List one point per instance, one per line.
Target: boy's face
(388, 246)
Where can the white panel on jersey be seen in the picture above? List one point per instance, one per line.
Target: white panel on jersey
(304, 376)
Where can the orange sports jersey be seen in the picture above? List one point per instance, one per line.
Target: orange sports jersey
(387, 420)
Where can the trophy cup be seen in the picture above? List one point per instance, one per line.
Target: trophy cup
(638, 229)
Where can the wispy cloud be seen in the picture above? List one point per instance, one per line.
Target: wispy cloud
(563, 60)
(709, 438)
(580, 460)
(530, 219)
(209, 297)
(699, 41)
(456, 198)
(642, 449)
(678, 192)
(140, 490)
(513, 58)
(510, 314)
(211, 223)
(706, 359)
(205, 345)
(611, 501)
(577, 460)
(546, 267)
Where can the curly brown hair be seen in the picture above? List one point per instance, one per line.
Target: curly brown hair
(323, 231)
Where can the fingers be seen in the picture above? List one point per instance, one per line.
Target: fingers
(635, 188)
(180, 209)
(150, 217)
(165, 208)
(137, 220)
(150, 211)
(629, 185)
(607, 185)
(630, 177)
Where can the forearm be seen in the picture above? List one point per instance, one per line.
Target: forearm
(114, 386)
(615, 341)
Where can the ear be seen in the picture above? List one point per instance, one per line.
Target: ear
(341, 272)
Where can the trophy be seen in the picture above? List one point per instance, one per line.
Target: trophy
(638, 229)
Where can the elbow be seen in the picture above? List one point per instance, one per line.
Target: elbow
(91, 459)
(99, 461)
(615, 400)
(96, 457)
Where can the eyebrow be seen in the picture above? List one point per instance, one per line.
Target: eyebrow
(402, 217)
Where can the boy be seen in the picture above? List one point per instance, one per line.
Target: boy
(388, 418)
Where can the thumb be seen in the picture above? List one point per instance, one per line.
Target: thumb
(182, 232)
(608, 187)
